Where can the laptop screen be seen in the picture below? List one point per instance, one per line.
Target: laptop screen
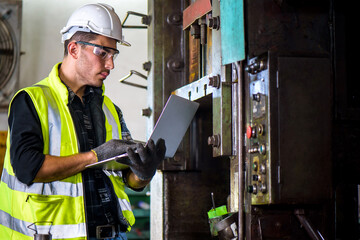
(171, 126)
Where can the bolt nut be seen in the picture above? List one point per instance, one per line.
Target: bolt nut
(175, 65)
(214, 81)
(174, 18)
(147, 66)
(214, 141)
(146, 112)
(146, 20)
(195, 31)
(214, 23)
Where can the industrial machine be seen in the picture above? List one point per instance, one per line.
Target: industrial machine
(276, 135)
(10, 31)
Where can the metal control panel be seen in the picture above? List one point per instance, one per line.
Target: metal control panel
(288, 127)
(257, 131)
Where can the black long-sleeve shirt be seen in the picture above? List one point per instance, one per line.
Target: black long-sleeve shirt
(26, 149)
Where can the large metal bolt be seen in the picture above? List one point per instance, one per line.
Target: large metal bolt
(214, 23)
(214, 140)
(146, 112)
(147, 66)
(214, 81)
(175, 65)
(203, 31)
(146, 20)
(195, 31)
(174, 18)
(234, 72)
(256, 67)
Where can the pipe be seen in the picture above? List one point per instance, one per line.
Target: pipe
(314, 235)
(133, 84)
(240, 150)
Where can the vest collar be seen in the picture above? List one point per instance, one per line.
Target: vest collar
(57, 85)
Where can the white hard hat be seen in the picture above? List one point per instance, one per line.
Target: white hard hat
(99, 18)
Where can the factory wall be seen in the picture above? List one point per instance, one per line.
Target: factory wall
(41, 48)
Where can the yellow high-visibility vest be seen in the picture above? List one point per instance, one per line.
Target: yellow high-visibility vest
(21, 205)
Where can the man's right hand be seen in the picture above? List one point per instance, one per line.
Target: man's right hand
(112, 148)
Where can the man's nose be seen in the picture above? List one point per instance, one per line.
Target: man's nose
(109, 63)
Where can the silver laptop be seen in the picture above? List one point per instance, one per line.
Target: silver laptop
(171, 126)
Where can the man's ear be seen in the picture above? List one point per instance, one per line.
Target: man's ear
(73, 49)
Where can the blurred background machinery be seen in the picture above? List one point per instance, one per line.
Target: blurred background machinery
(10, 33)
(10, 30)
(276, 135)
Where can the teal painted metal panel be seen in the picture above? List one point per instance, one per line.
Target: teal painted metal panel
(232, 31)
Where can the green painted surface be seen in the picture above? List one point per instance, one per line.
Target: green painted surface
(232, 31)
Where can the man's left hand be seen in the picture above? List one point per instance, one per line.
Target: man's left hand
(145, 161)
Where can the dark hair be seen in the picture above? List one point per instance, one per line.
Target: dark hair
(79, 36)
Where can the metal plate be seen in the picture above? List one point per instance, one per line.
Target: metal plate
(232, 31)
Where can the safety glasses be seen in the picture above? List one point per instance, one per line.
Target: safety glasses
(102, 51)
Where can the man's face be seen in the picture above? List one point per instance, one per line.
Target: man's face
(92, 70)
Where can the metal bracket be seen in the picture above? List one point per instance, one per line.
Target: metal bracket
(145, 19)
(122, 80)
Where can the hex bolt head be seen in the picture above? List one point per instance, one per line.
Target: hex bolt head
(147, 66)
(175, 65)
(214, 23)
(146, 112)
(174, 18)
(214, 140)
(214, 81)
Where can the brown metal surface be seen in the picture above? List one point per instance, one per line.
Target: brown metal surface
(3, 136)
(194, 59)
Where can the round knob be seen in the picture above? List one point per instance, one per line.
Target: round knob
(262, 187)
(260, 129)
(255, 166)
(252, 189)
(250, 132)
(262, 149)
(262, 169)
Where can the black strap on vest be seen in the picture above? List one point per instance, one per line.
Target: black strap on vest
(106, 195)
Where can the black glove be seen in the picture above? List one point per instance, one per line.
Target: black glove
(147, 159)
(112, 148)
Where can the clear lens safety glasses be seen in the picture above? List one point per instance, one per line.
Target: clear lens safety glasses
(102, 51)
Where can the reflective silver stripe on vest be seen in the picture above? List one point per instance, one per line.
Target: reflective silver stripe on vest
(54, 122)
(124, 204)
(57, 231)
(15, 224)
(112, 122)
(51, 188)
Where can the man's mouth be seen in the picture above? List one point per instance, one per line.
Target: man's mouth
(104, 74)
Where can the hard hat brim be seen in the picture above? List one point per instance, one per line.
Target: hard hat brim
(125, 43)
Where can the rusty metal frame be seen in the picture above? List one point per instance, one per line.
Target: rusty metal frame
(195, 11)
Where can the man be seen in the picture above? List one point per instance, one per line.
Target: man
(60, 125)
